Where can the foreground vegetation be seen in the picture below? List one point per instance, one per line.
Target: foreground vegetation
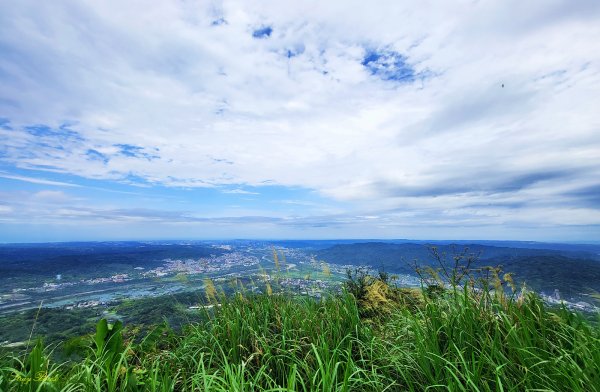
(371, 337)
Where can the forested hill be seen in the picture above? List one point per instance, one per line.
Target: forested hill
(77, 260)
(571, 271)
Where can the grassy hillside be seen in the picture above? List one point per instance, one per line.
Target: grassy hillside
(372, 337)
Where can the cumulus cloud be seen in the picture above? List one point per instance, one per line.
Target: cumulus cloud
(468, 112)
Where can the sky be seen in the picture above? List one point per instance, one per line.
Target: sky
(124, 120)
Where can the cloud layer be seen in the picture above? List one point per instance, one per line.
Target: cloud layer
(417, 115)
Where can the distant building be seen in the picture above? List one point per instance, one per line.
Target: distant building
(556, 294)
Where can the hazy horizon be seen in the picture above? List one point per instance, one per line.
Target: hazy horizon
(308, 239)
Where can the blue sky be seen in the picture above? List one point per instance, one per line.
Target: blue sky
(340, 119)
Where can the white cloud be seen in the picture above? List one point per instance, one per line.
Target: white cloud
(240, 192)
(49, 196)
(210, 105)
(35, 180)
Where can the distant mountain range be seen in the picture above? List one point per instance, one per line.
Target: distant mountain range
(21, 262)
(572, 269)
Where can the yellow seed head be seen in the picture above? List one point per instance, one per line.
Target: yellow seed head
(210, 290)
(269, 289)
(508, 279)
(276, 258)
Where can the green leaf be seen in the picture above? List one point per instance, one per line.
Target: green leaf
(100, 337)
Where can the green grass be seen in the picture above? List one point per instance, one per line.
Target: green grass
(458, 341)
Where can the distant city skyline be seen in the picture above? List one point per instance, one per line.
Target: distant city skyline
(299, 120)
